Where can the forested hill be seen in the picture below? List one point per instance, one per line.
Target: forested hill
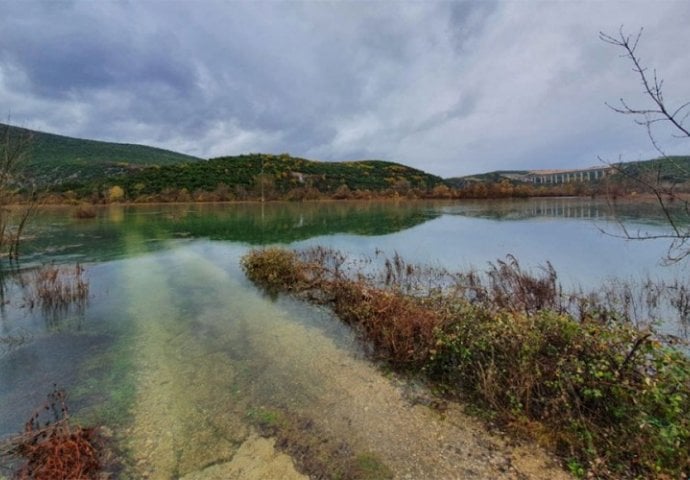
(672, 169)
(273, 176)
(89, 169)
(488, 177)
(55, 158)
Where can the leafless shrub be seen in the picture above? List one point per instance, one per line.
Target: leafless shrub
(658, 112)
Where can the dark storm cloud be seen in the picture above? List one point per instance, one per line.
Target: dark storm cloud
(450, 87)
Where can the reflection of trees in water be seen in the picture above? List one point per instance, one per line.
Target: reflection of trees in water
(60, 235)
(642, 212)
(57, 235)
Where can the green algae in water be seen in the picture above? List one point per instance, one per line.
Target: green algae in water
(370, 467)
(106, 384)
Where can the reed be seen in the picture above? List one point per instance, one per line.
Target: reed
(55, 288)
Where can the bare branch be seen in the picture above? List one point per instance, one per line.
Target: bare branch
(14, 150)
(653, 87)
(664, 189)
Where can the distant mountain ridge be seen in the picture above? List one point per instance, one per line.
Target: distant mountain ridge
(672, 169)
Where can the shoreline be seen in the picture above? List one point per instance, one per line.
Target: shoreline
(622, 199)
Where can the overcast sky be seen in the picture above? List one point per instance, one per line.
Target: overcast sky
(449, 87)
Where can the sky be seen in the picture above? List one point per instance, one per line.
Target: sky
(453, 88)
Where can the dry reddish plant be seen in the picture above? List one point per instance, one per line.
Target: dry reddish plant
(54, 449)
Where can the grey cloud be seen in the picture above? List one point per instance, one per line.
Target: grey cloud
(453, 88)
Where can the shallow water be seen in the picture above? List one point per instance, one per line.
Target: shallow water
(176, 350)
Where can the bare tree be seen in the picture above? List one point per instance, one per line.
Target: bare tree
(14, 150)
(673, 203)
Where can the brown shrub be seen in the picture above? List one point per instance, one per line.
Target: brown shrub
(274, 269)
(85, 211)
(53, 449)
(400, 329)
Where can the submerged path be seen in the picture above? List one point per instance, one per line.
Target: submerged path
(184, 422)
(210, 350)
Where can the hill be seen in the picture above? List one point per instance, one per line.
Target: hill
(55, 159)
(89, 168)
(277, 176)
(669, 170)
(488, 177)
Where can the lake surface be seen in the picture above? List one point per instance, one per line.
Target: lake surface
(176, 351)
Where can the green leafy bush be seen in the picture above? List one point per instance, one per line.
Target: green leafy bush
(610, 396)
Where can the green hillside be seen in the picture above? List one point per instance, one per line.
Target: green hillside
(489, 177)
(277, 175)
(671, 170)
(55, 159)
(89, 168)
(668, 170)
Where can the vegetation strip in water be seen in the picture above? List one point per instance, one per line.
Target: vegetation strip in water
(612, 400)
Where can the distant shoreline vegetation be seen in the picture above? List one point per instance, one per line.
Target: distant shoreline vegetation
(264, 177)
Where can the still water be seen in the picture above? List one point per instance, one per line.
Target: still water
(176, 351)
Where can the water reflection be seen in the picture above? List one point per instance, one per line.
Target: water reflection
(641, 212)
(57, 235)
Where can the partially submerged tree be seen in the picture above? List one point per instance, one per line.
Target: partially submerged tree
(15, 188)
(657, 112)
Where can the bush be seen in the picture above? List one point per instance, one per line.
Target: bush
(609, 395)
(85, 211)
(56, 288)
(399, 328)
(274, 269)
(611, 399)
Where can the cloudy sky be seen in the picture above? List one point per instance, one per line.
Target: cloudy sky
(450, 87)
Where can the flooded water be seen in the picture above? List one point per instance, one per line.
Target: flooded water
(178, 354)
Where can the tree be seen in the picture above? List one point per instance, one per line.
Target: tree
(14, 151)
(673, 203)
(115, 193)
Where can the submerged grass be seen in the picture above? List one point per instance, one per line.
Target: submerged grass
(611, 399)
(315, 453)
